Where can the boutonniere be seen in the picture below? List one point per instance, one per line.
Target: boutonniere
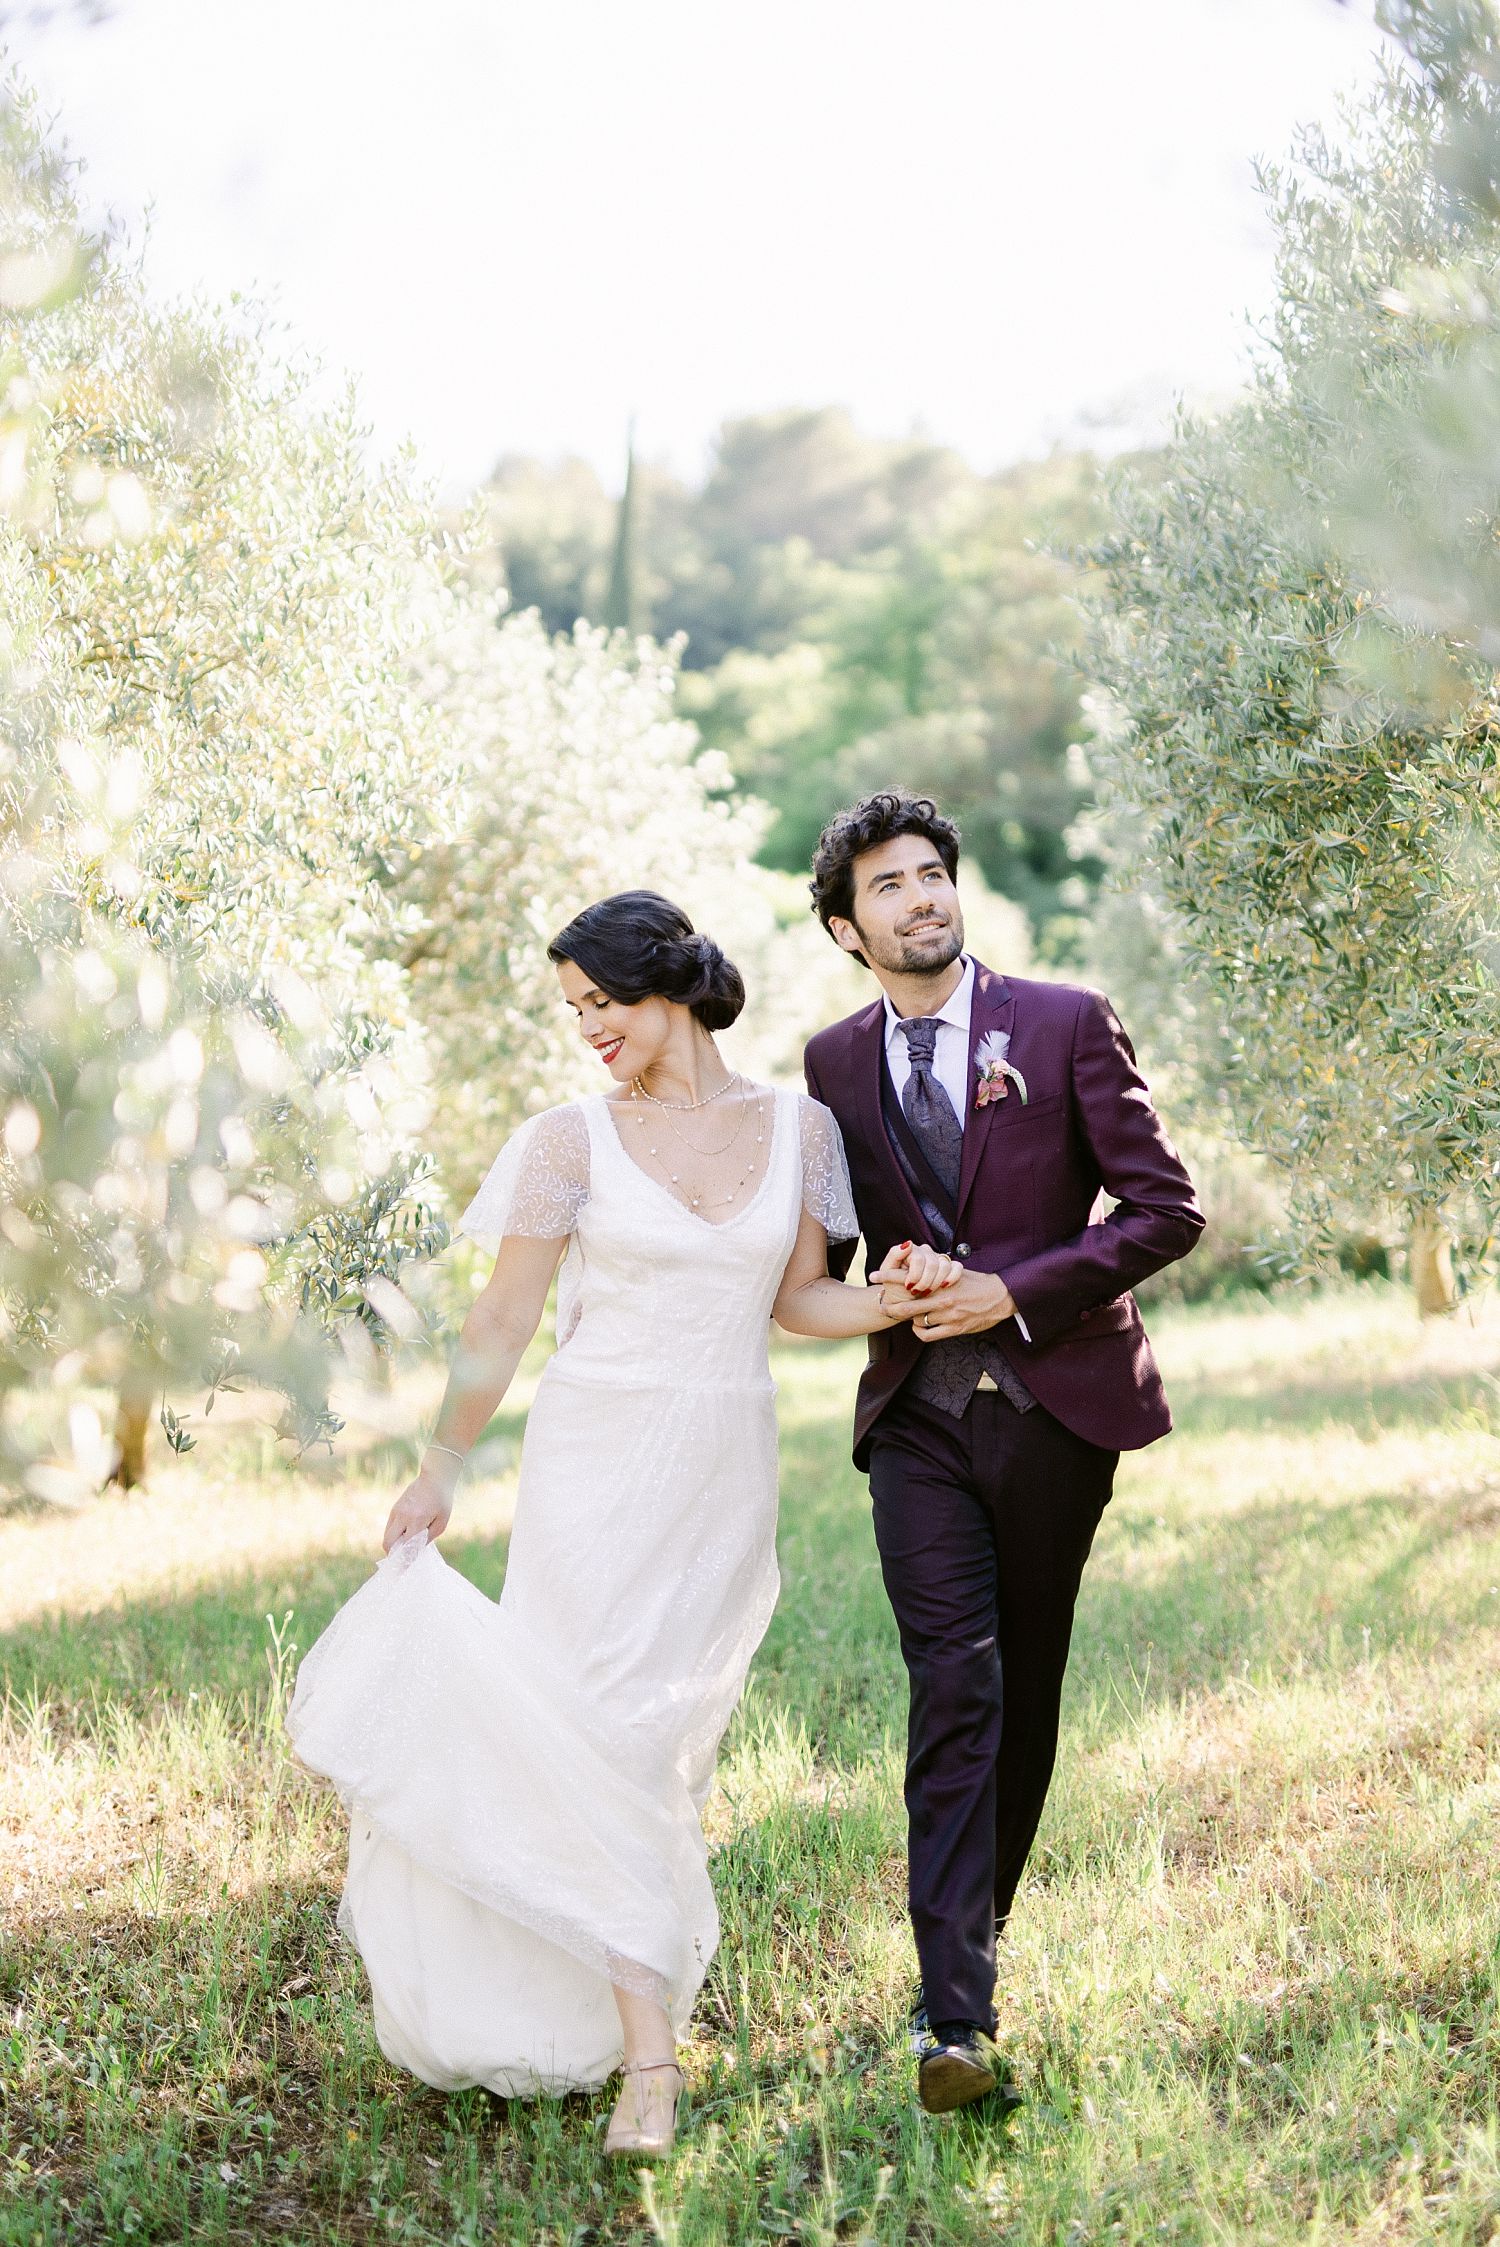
(993, 1068)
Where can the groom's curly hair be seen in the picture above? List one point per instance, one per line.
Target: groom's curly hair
(849, 834)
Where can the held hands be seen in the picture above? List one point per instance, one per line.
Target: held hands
(910, 1275)
(424, 1504)
(937, 1295)
(975, 1302)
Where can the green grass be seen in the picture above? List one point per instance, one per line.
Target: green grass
(1252, 1989)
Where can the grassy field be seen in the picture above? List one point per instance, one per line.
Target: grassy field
(1251, 1995)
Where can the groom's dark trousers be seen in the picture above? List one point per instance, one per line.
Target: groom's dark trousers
(984, 1516)
(983, 1525)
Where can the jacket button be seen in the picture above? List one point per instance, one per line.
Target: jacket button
(963, 1249)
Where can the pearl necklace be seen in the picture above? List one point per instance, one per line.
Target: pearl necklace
(706, 1154)
(685, 1107)
(694, 1201)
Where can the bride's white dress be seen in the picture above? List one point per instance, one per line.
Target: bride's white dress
(524, 1777)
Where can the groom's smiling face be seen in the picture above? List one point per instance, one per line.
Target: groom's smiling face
(907, 918)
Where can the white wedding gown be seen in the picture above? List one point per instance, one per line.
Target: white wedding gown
(524, 1778)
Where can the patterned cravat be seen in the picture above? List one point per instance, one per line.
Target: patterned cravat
(926, 1105)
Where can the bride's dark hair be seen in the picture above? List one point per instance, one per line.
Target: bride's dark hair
(637, 946)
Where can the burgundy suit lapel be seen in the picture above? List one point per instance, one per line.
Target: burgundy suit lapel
(868, 1055)
(993, 1007)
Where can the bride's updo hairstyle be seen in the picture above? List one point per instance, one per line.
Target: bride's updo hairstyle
(640, 946)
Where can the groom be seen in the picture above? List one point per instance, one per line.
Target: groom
(988, 1116)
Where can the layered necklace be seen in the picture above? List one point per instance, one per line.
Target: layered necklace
(667, 1109)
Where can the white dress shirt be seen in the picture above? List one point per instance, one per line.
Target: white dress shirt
(950, 1060)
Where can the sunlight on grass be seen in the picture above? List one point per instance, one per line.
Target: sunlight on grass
(1251, 1990)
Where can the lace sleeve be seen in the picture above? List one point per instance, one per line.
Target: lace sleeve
(537, 1183)
(826, 1192)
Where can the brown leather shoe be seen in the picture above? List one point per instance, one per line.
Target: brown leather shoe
(954, 2075)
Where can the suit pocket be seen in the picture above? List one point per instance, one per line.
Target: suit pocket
(1106, 1318)
(1006, 1114)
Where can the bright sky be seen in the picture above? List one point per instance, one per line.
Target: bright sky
(518, 221)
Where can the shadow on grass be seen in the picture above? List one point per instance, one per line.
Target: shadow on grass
(213, 1640)
(223, 2081)
(1270, 1582)
(1319, 1399)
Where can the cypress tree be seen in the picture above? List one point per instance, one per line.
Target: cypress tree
(622, 602)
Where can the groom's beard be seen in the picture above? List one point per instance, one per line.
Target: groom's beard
(905, 956)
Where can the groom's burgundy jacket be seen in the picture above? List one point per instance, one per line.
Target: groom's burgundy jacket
(1031, 1178)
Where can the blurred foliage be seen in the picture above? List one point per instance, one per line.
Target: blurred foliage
(856, 613)
(1300, 784)
(573, 776)
(287, 812)
(207, 758)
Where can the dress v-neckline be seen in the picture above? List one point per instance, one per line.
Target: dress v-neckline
(709, 1224)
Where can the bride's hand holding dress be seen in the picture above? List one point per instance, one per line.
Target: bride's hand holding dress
(424, 1509)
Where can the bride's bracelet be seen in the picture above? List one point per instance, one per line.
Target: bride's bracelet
(460, 1456)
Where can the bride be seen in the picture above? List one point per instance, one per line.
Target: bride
(527, 1878)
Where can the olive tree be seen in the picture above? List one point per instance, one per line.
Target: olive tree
(213, 747)
(1302, 763)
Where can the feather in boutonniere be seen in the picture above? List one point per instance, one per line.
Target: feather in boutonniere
(995, 1071)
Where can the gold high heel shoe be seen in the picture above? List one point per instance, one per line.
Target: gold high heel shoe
(622, 2137)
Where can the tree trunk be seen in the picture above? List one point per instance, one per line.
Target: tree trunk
(132, 1423)
(1430, 1262)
